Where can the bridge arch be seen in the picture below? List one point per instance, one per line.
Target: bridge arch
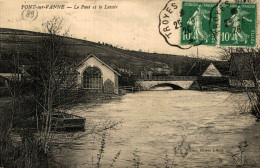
(178, 83)
(173, 86)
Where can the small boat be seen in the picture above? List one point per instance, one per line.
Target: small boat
(66, 122)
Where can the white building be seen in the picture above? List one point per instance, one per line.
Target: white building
(94, 74)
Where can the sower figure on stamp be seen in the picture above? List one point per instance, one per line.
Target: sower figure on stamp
(196, 21)
(236, 21)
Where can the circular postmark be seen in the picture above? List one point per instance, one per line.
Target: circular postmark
(29, 14)
(170, 23)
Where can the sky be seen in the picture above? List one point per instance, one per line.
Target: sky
(131, 24)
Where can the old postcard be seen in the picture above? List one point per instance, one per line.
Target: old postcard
(130, 83)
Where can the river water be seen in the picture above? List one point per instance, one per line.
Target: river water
(163, 128)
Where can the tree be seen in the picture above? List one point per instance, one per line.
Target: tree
(244, 67)
(48, 82)
(51, 74)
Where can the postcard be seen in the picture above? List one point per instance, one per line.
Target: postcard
(129, 83)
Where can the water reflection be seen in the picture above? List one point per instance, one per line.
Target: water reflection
(165, 88)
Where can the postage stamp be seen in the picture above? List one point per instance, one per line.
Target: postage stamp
(238, 24)
(199, 23)
(187, 23)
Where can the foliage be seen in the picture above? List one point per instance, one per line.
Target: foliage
(126, 80)
(115, 159)
(44, 85)
(101, 150)
(136, 159)
(238, 157)
(245, 66)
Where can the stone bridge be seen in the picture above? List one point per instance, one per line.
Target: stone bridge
(176, 82)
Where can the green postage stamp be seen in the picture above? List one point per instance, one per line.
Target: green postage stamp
(200, 24)
(213, 23)
(199, 20)
(238, 25)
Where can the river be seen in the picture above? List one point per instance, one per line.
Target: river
(169, 127)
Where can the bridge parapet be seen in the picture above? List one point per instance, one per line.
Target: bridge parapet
(169, 78)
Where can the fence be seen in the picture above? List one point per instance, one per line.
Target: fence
(130, 88)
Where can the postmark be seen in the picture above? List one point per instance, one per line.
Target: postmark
(198, 23)
(187, 23)
(170, 23)
(29, 14)
(238, 24)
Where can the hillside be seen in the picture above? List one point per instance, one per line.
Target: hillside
(12, 40)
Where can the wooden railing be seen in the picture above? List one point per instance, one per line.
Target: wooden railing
(130, 88)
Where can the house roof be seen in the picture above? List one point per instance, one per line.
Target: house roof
(200, 67)
(212, 71)
(92, 55)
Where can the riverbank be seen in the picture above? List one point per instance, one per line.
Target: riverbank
(252, 152)
(24, 148)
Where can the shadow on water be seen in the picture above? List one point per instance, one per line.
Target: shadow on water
(165, 86)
